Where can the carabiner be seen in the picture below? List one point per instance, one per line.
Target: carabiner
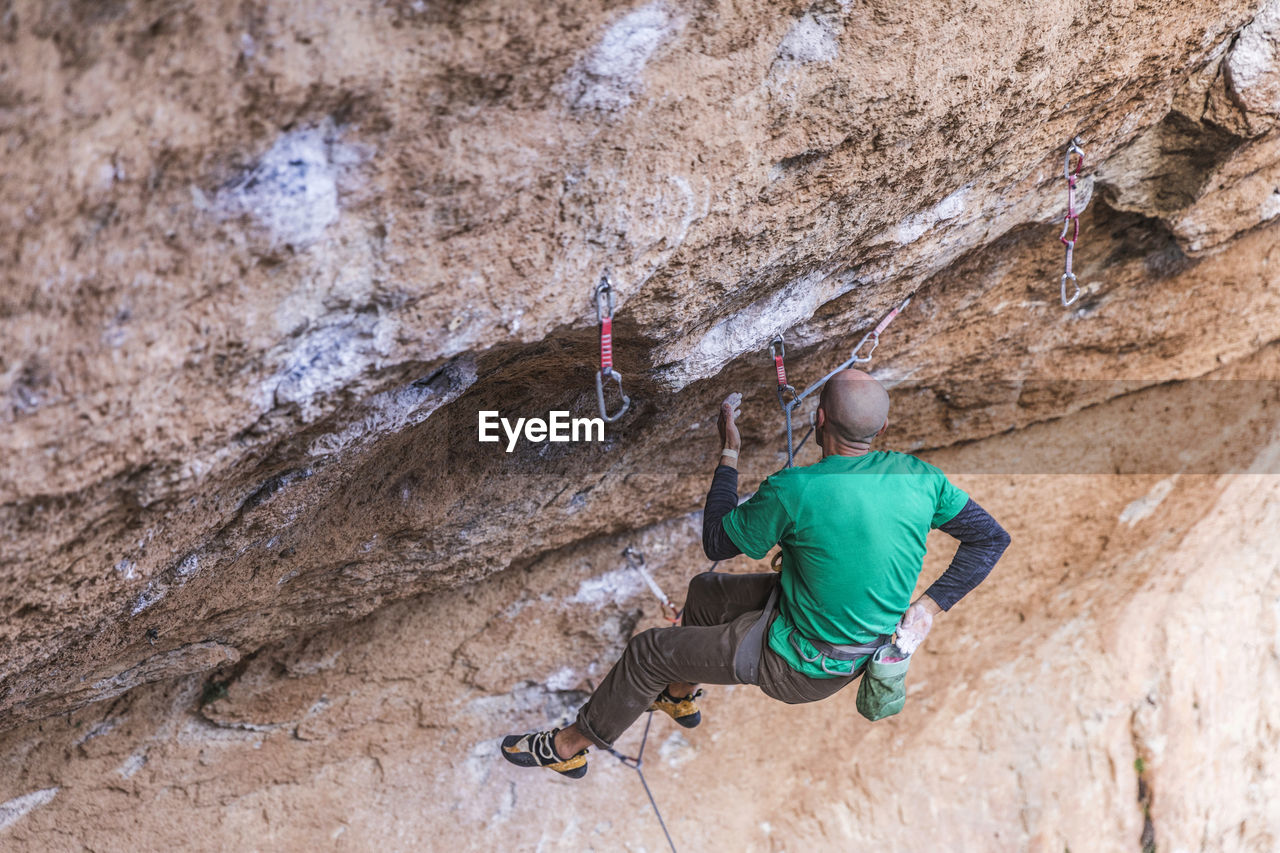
(874, 337)
(1073, 147)
(778, 352)
(626, 401)
(1065, 301)
(605, 289)
(1066, 226)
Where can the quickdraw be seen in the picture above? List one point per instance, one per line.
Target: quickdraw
(635, 559)
(604, 315)
(788, 406)
(778, 349)
(1071, 224)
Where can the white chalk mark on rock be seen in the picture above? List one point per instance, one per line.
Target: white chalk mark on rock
(401, 408)
(293, 188)
(564, 678)
(325, 358)
(609, 75)
(1253, 67)
(813, 38)
(676, 750)
(1270, 206)
(617, 585)
(1145, 505)
(132, 765)
(189, 566)
(149, 596)
(915, 226)
(690, 209)
(98, 730)
(745, 329)
(13, 810)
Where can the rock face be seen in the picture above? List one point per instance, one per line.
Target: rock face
(264, 266)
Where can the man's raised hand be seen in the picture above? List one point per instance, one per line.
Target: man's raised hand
(730, 410)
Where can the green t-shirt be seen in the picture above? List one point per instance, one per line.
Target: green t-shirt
(852, 531)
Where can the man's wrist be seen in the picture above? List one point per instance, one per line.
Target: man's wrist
(729, 456)
(929, 604)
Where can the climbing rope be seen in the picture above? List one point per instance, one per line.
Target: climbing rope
(636, 763)
(604, 315)
(788, 406)
(807, 433)
(669, 612)
(1071, 224)
(635, 559)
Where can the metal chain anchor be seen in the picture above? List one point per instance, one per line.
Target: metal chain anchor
(1071, 224)
(788, 406)
(604, 315)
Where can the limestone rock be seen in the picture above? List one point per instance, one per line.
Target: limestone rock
(1252, 69)
(264, 266)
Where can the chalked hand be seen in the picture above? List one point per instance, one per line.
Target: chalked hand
(913, 628)
(730, 410)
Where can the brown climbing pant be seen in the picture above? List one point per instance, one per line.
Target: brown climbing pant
(719, 611)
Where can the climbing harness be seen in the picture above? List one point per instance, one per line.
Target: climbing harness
(824, 651)
(1071, 224)
(636, 763)
(778, 351)
(604, 315)
(635, 559)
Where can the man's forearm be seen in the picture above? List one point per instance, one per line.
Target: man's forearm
(982, 541)
(931, 607)
(722, 497)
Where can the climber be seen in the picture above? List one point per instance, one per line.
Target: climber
(852, 533)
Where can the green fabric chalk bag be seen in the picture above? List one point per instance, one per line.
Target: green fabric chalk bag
(883, 689)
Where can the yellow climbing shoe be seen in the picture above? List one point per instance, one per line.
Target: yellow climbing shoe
(537, 749)
(684, 711)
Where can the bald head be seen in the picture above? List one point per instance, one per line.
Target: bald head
(856, 405)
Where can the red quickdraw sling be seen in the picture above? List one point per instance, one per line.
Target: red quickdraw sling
(604, 314)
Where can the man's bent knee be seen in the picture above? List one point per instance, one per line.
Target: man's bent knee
(644, 646)
(702, 588)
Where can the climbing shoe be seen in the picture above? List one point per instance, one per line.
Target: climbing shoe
(683, 711)
(537, 749)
